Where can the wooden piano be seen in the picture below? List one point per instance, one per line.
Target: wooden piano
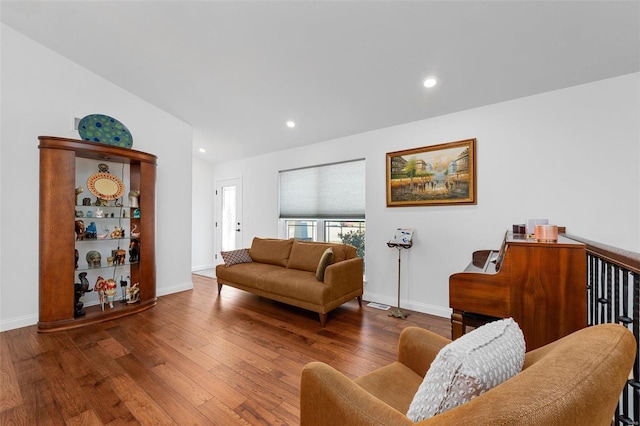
(541, 285)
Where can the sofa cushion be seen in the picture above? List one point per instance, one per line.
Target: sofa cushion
(468, 367)
(245, 274)
(306, 255)
(325, 261)
(271, 250)
(395, 384)
(234, 257)
(295, 284)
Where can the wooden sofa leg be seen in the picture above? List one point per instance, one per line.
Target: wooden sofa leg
(359, 299)
(219, 288)
(323, 319)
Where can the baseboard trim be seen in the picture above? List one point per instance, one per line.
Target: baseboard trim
(174, 288)
(19, 322)
(201, 267)
(424, 308)
(28, 320)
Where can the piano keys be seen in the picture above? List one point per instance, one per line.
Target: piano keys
(541, 285)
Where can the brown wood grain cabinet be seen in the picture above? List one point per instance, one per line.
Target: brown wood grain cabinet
(57, 272)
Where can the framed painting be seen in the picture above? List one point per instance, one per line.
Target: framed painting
(435, 175)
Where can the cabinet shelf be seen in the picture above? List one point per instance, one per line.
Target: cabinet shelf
(99, 240)
(95, 314)
(90, 218)
(106, 267)
(63, 162)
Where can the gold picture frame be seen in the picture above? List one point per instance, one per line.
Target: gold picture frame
(436, 175)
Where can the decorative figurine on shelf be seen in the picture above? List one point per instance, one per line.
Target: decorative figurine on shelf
(100, 202)
(100, 287)
(119, 256)
(80, 289)
(104, 236)
(133, 198)
(110, 292)
(133, 293)
(92, 231)
(134, 251)
(133, 233)
(77, 257)
(79, 191)
(80, 230)
(86, 201)
(89, 214)
(123, 288)
(117, 232)
(99, 213)
(124, 213)
(136, 214)
(94, 259)
(79, 213)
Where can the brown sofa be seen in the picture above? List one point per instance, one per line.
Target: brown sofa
(285, 271)
(576, 380)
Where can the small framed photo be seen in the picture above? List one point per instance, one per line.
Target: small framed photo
(437, 175)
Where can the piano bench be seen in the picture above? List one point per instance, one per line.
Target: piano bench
(471, 319)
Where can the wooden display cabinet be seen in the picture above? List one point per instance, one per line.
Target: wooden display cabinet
(57, 271)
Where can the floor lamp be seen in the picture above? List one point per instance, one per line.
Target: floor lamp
(398, 313)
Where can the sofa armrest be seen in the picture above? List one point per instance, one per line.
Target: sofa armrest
(418, 348)
(327, 397)
(344, 277)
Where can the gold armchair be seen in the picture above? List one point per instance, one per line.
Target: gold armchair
(576, 380)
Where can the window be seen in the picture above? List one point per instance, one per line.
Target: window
(332, 231)
(331, 191)
(324, 203)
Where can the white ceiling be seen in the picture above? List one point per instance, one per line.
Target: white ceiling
(238, 70)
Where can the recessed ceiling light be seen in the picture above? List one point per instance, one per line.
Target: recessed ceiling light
(430, 82)
(202, 150)
(291, 124)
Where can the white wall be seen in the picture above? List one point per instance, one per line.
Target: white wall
(203, 215)
(570, 155)
(41, 90)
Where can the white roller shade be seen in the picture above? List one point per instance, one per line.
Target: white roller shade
(331, 191)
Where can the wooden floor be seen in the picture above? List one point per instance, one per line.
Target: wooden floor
(195, 358)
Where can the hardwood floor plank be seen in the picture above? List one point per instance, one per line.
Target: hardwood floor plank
(194, 353)
(10, 397)
(40, 406)
(178, 382)
(66, 391)
(101, 363)
(145, 409)
(195, 358)
(113, 348)
(238, 380)
(87, 418)
(289, 411)
(220, 414)
(256, 414)
(106, 403)
(161, 392)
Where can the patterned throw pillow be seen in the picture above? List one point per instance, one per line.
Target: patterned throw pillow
(235, 256)
(468, 367)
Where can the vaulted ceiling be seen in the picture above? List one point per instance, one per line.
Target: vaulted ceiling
(238, 70)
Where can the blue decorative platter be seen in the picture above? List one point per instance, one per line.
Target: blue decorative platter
(105, 129)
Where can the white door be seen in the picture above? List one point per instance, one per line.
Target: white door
(228, 220)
